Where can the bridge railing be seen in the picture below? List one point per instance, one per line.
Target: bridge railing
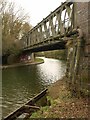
(57, 23)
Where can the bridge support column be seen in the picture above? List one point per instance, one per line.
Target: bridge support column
(70, 55)
(81, 19)
(74, 58)
(32, 57)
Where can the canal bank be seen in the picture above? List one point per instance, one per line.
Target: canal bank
(26, 63)
(62, 104)
(20, 84)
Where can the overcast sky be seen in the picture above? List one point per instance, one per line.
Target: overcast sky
(37, 9)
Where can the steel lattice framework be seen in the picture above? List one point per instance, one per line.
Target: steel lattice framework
(50, 30)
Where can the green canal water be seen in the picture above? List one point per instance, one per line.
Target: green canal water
(20, 84)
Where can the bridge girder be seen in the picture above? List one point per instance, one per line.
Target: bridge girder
(57, 23)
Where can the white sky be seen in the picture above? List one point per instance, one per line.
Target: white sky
(38, 9)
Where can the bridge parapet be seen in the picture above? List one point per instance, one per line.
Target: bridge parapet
(59, 22)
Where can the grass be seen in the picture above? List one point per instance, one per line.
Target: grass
(39, 60)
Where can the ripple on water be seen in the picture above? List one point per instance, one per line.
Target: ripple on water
(22, 83)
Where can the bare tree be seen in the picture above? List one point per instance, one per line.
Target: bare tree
(14, 25)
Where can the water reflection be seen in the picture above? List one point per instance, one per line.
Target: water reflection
(51, 71)
(22, 83)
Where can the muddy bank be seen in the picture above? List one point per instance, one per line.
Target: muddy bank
(63, 105)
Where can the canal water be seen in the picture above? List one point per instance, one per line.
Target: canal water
(22, 83)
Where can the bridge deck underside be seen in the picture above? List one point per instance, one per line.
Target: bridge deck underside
(47, 47)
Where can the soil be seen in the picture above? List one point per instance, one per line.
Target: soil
(63, 105)
(67, 106)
